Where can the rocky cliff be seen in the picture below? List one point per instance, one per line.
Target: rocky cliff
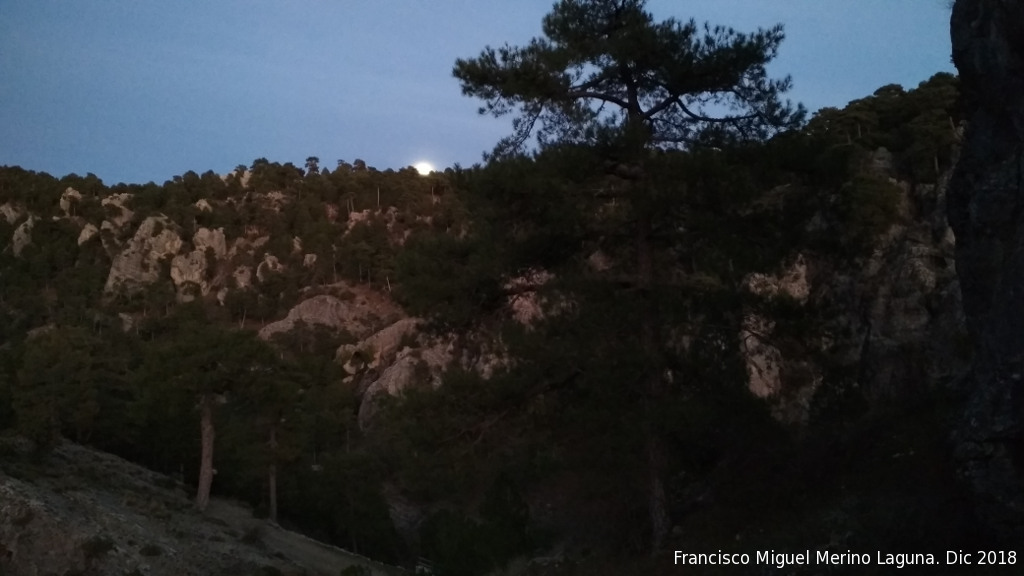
(986, 211)
(890, 326)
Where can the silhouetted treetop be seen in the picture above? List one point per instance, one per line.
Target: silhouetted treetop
(603, 66)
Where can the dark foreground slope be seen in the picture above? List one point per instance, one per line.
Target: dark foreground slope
(81, 511)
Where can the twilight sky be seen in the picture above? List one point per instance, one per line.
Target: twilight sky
(140, 90)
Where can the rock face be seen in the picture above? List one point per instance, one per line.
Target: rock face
(895, 322)
(381, 347)
(190, 272)
(358, 315)
(205, 238)
(986, 211)
(766, 366)
(10, 212)
(117, 212)
(22, 236)
(87, 233)
(139, 263)
(68, 200)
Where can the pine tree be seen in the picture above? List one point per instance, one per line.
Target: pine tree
(605, 76)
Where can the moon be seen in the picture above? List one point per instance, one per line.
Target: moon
(424, 168)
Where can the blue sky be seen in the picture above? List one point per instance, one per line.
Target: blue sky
(139, 90)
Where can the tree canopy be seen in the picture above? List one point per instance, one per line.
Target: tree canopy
(606, 67)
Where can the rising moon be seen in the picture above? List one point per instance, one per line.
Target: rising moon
(424, 168)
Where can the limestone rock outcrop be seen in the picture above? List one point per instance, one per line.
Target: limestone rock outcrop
(986, 212)
(358, 315)
(10, 212)
(381, 347)
(116, 209)
(188, 272)
(411, 367)
(894, 321)
(205, 238)
(766, 366)
(68, 200)
(242, 277)
(22, 236)
(139, 264)
(89, 231)
(191, 272)
(268, 266)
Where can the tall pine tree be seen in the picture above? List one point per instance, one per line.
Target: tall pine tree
(608, 78)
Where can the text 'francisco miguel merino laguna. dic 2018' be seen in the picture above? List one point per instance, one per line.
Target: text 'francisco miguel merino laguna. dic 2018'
(827, 558)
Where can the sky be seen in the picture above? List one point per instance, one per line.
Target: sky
(142, 90)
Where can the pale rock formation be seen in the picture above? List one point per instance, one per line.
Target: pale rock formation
(10, 212)
(116, 210)
(352, 316)
(205, 238)
(296, 245)
(22, 236)
(765, 363)
(243, 277)
(381, 347)
(139, 263)
(894, 320)
(793, 283)
(269, 265)
(68, 199)
(274, 200)
(243, 178)
(89, 231)
(524, 302)
(127, 321)
(190, 270)
(355, 218)
(240, 246)
(882, 162)
(309, 260)
(420, 367)
(203, 206)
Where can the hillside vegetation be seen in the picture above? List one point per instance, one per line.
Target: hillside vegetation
(510, 425)
(553, 362)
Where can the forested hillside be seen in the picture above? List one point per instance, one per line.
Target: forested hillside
(563, 358)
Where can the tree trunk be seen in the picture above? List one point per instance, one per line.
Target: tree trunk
(206, 459)
(272, 474)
